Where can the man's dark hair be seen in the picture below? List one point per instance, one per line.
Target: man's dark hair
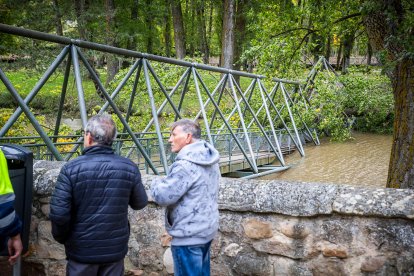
(102, 129)
(188, 126)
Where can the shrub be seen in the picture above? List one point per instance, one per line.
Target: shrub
(369, 100)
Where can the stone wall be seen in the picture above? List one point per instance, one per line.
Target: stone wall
(266, 228)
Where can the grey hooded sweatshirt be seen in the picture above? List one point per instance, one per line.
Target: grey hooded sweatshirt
(190, 192)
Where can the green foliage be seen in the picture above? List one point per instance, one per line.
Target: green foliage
(286, 36)
(361, 100)
(369, 100)
(21, 128)
(48, 98)
(365, 99)
(282, 39)
(327, 114)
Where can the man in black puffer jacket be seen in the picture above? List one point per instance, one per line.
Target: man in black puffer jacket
(89, 207)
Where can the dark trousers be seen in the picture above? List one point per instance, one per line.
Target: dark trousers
(192, 260)
(80, 269)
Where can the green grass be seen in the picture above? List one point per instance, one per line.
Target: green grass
(47, 100)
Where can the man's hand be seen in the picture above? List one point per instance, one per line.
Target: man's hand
(15, 248)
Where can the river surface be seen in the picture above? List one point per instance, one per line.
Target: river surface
(361, 162)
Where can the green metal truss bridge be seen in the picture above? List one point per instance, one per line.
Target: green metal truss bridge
(253, 127)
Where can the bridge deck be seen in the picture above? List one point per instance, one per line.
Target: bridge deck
(237, 162)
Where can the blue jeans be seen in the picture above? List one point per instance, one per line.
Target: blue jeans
(191, 260)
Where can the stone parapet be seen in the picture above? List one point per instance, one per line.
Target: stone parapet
(266, 228)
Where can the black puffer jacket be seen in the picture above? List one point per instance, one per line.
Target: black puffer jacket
(89, 207)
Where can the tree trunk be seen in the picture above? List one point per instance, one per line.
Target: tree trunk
(178, 23)
(240, 30)
(338, 56)
(369, 54)
(167, 30)
(112, 61)
(191, 35)
(132, 41)
(149, 26)
(58, 18)
(328, 47)
(348, 44)
(401, 169)
(227, 38)
(80, 10)
(210, 24)
(383, 25)
(202, 32)
(81, 7)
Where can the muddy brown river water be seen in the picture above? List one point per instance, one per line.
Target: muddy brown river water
(361, 162)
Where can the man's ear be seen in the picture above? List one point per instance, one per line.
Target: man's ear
(189, 138)
(88, 139)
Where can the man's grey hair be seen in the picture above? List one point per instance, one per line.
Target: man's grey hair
(102, 129)
(188, 126)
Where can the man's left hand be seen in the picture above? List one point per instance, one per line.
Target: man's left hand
(15, 248)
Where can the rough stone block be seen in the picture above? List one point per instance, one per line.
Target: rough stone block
(237, 194)
(232, 250)
(256, 229)
(46, 247)
(252, 264)
(283, 246)
(333, 250)
(294, 198)
(373, 264)
(391, 236)
(168, 261)
(338, 231)
(45, 209)
(328, 266)
(45, 174)
(294, 229)
(374, 202)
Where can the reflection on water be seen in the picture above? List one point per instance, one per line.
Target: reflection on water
(359, 162)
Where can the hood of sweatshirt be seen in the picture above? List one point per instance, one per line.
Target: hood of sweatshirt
(199, 152)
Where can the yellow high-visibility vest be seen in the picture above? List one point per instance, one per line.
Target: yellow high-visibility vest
(5, 184)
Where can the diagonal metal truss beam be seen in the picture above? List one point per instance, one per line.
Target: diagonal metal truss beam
(62, 98)
(295, 138)
(79, 87)
(118, 113)
(246, 135)
(154, 116)
(225, 122)
(248, 107)
(13, 118)
(30, 116)
(200, 101)
(305, 126)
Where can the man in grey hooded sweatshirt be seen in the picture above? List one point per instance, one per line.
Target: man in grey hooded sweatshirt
(190, 192)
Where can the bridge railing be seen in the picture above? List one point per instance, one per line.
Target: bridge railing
(229, 103)
(124, 146)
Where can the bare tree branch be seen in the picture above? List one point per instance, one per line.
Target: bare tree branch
(293, 30)
(315, 30)
(300, 44)
(347, 17)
